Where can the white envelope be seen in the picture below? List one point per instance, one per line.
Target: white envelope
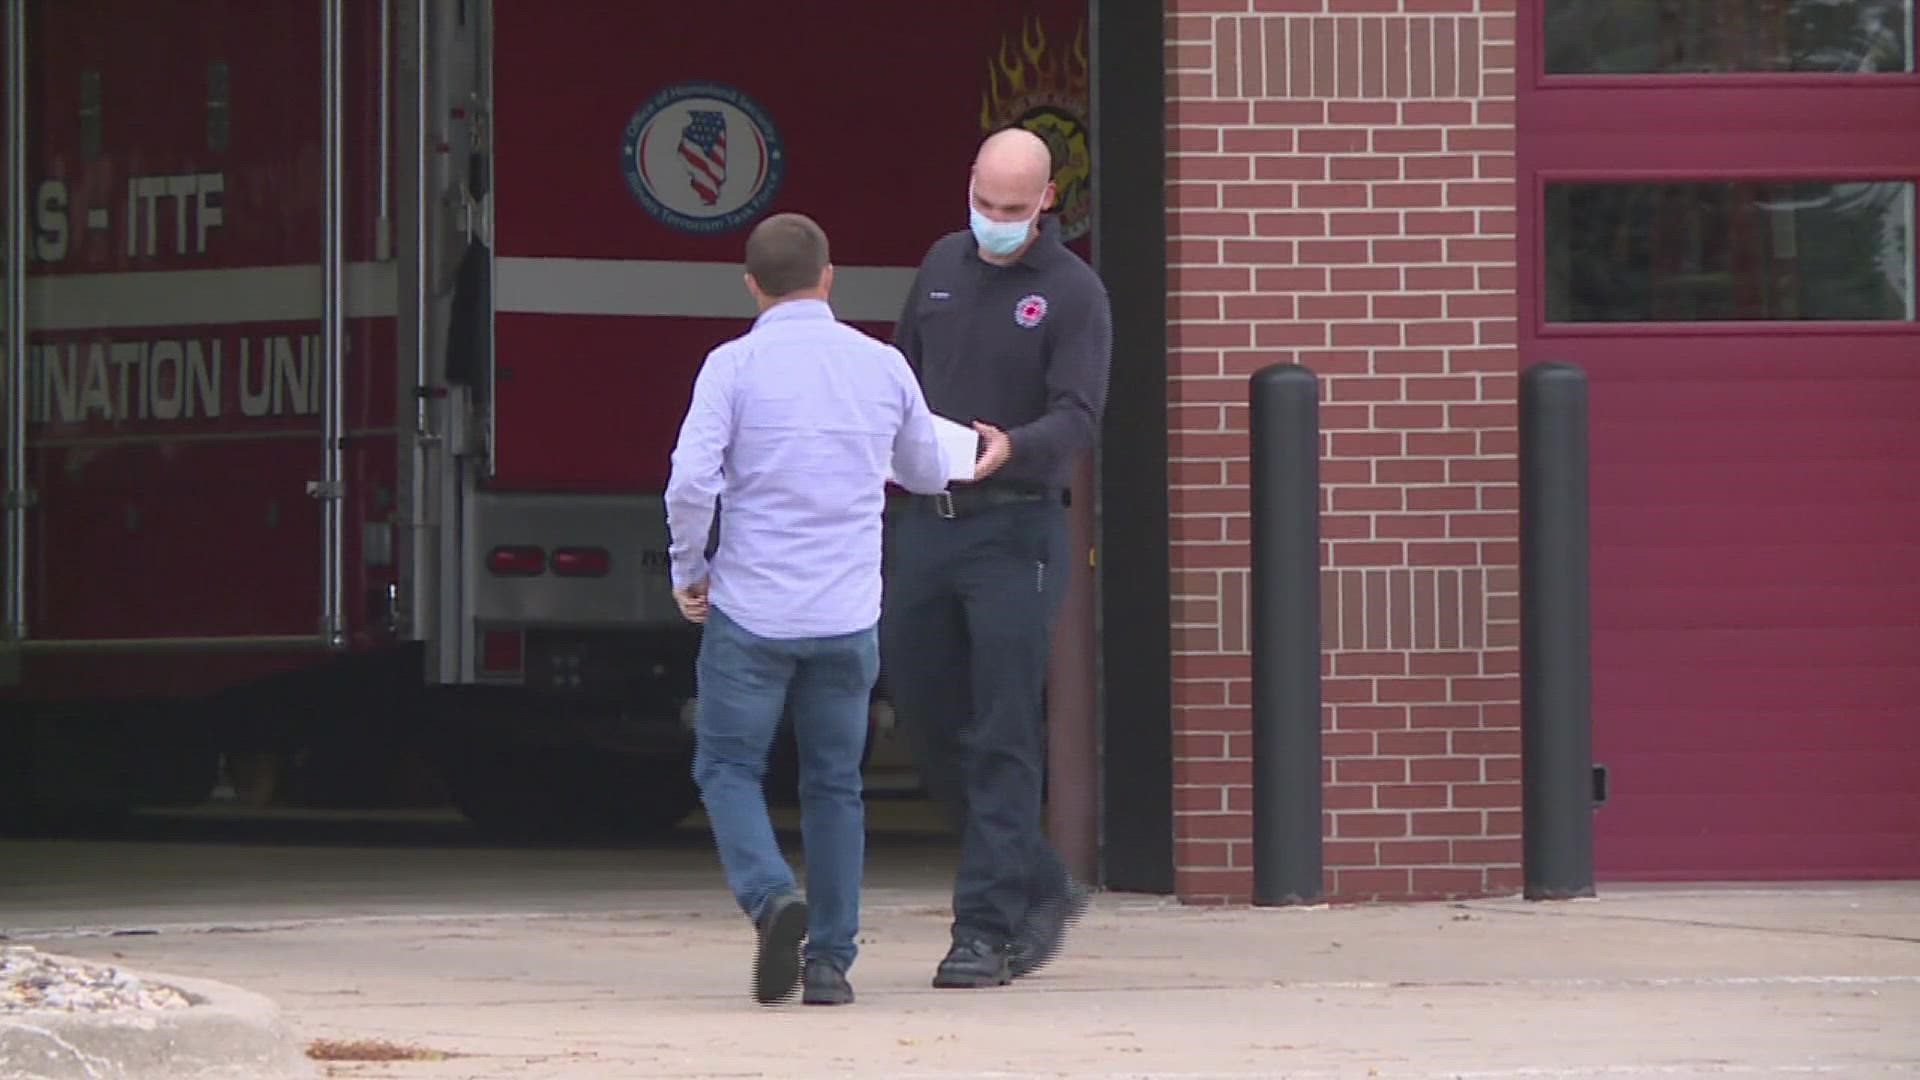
(959, 444)
(959, 447)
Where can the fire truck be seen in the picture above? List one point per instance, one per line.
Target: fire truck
(346, 342)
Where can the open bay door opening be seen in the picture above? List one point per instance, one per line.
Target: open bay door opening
(628, 163)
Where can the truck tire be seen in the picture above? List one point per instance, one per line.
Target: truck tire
(571, 795)
(175, 777)
(62, 773)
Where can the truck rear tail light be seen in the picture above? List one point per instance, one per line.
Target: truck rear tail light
(582, 562)
(516, 560)
(502, 652)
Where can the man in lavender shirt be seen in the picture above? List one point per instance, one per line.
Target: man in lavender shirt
(794, 428)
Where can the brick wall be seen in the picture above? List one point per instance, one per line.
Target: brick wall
(1340, 194)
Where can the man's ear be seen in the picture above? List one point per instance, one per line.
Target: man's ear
(826, 279)
(753, 287)
(1047, 197)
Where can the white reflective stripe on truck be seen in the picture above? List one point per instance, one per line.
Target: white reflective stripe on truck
(269, 294)
(636, 287)
(246, 294)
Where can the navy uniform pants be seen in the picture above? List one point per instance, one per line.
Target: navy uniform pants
(966, 632)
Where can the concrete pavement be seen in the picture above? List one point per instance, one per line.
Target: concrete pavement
(578, 964)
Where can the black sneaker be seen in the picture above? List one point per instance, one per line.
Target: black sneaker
(973, 964)
(825, 985)
(776, 961)
(1045, 928)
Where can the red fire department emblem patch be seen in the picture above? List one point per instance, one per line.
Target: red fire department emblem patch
(1031, 309)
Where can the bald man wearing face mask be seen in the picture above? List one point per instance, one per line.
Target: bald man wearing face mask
(1010, 331)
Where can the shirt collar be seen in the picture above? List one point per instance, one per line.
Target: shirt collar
(1047, 244)
(787, 310)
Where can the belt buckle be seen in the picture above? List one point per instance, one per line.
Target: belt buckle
(943, 505)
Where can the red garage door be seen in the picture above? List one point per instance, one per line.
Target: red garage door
(1717, 211)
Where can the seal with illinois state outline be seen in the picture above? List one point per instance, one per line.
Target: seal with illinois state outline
(702, 157)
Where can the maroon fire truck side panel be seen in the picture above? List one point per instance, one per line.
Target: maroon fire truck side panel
(875, 110)
(176, 184)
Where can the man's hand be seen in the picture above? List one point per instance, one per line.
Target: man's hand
(693, 601)
(996, 447)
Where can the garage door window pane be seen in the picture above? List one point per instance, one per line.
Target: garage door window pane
(1645, 37)
(1688, 252)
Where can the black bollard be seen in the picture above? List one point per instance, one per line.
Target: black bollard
(1287, 855)
(1556, 636)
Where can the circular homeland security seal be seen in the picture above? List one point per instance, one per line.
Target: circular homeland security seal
(702, 157)
(1031, 309)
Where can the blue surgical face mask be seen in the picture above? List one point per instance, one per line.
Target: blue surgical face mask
(998, 237)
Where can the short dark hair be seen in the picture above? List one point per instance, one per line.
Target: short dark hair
(786, 253)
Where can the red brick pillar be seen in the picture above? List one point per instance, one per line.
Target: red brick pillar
(1340, 194)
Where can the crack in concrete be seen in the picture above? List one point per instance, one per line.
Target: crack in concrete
(1698, 924)
(1542, 1072)
(87, 1061)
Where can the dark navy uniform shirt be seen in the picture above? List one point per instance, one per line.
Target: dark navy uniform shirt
(1024, 347)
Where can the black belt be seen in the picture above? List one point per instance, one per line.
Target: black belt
(967, 501)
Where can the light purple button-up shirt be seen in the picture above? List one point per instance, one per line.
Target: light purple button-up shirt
(793, 427)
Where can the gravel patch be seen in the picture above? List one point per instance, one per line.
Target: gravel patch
(31, 981)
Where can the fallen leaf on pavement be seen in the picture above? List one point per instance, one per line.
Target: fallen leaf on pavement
(370, 1050)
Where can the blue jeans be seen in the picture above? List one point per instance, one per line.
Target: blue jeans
(745, 683)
